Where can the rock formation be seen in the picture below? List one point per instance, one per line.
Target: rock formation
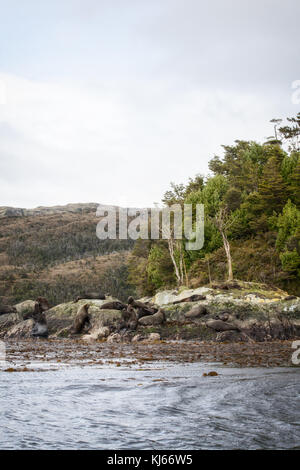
(4, 309)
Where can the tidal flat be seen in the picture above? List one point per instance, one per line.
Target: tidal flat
(51, 352)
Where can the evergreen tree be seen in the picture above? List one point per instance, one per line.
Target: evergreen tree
(272, 189)
(295, 184)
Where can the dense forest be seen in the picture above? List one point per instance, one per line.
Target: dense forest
(252, 219)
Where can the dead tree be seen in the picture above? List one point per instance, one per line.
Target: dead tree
(222, 223)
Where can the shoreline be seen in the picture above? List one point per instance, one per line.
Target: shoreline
(72, 352)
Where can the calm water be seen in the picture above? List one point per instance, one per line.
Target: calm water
(165, 406)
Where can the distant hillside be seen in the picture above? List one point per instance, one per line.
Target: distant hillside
(54, 251)
(6, 211)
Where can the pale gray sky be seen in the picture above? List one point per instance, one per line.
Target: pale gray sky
(109, 100)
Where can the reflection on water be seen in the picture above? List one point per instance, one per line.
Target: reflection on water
(163, 406)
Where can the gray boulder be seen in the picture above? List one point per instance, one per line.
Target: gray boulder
(22, 330)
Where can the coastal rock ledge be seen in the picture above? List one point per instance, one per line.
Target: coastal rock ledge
(241, 311)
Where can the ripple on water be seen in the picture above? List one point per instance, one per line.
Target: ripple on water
(171, 407)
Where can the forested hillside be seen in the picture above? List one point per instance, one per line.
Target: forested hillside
(54, 252)
(252, 219)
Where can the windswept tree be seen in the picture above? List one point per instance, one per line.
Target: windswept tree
(291, 133)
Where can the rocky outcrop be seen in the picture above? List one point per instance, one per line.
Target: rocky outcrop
(25, 308)
(8, 321)
(153, 337)
(114, 338)
(97, 334)
(250, 312)
(62, 316)
(22, 330)
(4, 309)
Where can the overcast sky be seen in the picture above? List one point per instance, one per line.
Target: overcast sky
(109, 100)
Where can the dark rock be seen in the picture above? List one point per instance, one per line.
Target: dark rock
(210, 374)
(4, 309)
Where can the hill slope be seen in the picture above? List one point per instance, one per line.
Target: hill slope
(55, 252)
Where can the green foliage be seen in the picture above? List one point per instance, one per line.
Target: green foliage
(288, 238)
(294, 187)
(211, 195)
(273, 192)
(239, 224)
(288, 166)
(288, 224)
(291, 132)
(178, 192)
(160, 268)
(137, 268)
(290, 261)
(174, 195)
(254, 183)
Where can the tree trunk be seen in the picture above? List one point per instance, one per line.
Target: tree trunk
(187, 282)
(181, 262)
(208, 267)
(228, 255)
(171, 251)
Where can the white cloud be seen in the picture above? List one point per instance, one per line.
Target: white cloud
(115, 144)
